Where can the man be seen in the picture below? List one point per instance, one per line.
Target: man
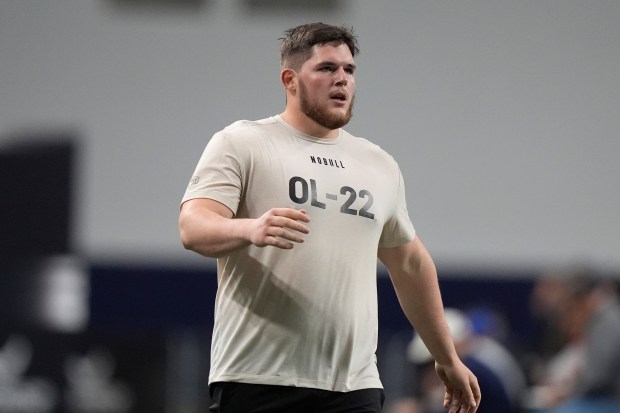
(297, 210)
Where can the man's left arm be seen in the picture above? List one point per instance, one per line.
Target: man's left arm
(414, 277)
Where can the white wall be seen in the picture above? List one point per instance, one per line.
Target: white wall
(503, 115)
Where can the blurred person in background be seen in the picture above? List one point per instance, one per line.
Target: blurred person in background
(556, 351)
(297, 211)
(584, 377)
(548, 336)
(499, 375)
(488, 341)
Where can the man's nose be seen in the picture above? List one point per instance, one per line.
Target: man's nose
(342, 78)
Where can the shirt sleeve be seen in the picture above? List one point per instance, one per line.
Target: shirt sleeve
(398, 229)
(219, 173)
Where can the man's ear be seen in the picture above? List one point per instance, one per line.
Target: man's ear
(288, 77)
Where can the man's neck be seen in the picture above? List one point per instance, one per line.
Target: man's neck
(308, 126)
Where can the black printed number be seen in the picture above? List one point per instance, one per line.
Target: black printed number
(345, 207)
(300, 191)
(364, 212)
(292, 190)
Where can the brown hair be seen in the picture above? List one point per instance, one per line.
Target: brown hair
(298, 42)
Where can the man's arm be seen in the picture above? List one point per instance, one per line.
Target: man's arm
(414, 277)
(209, 228)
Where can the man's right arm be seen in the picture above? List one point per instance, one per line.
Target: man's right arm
(209, 228)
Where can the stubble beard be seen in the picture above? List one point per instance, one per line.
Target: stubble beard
(320, 114)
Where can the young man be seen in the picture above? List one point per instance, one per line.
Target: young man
(297, 210)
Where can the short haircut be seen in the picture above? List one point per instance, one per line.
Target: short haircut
(298, 42)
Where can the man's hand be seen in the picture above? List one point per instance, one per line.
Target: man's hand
(279, 227)
(462, 390)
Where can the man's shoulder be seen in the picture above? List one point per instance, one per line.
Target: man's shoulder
(365, 145)
(242, 133)
(244, 124)
(362, 143)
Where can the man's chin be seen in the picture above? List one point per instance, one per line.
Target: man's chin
(337, 120)
(330, 119)
(335, 123)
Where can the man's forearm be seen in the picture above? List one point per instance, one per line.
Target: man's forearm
(421, 301)
(211, 234)
(414, 277)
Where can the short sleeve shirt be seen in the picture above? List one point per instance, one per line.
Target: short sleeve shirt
(304, 317)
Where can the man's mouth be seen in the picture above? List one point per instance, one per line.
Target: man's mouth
(339, 96)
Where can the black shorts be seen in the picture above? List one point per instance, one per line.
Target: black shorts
(231, 397)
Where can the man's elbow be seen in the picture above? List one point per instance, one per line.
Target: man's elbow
(187, 240)
(186, 235)
(192, 242)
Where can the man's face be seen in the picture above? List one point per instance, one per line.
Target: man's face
(327, 86)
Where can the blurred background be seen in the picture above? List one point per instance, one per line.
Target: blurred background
(504, 117)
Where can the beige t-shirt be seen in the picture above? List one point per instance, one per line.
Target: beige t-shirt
(304, 317)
